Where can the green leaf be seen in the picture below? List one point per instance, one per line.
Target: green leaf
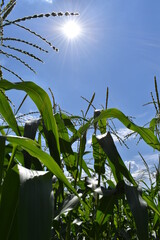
(139, 210)
(81, 131)
(2, 153)
(102, 123)
(68, 123)
(26, 205)
(69, 204)
(33, 149)
(151, 204)
(65, 144)
(99, 156)
(43, 103)
(7, 113)
(81, 152)
(116, 163)
(85, 168)
(147, 135)
(105, 208)
(152, 124)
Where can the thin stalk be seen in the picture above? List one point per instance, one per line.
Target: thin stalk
(75, 183)
(21, 104)
(157, 94)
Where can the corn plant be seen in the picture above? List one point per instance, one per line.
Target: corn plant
(97, 207)
(47, 188)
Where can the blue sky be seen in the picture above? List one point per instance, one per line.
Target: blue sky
(119, 49)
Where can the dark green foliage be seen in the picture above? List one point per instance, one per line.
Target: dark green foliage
(39, 160)
(99, 207)
(26, 205)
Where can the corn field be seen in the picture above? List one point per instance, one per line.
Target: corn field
(48, 188)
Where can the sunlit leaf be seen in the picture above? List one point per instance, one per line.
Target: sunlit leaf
(43, 103)
(69, 204)
(7, 113)
(147, 135)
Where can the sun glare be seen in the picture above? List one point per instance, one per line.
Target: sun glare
(71, 29)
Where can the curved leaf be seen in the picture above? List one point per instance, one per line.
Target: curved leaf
(147, 135)
(7, 113)
(33, 149)
(116, 163)
(43, 103)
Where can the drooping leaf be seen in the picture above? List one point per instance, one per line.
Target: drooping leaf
(118, 167)
(43, 103)
(139, 210)
(147, 135)
(33, 149)
(26, 205)
(7, 113)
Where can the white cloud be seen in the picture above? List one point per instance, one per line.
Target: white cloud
(139, 170)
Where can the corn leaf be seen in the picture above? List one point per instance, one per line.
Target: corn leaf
(139, 210)
(26, 205)
(147, 135)
(7, 113)
(2, 153)
(117, 165)
(43, 103)
(99, 156)
(33, 149)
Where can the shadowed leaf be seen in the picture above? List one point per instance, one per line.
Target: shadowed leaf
(139, 210)
(26, 205)
(117, 165)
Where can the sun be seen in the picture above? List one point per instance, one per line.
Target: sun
(71, 29)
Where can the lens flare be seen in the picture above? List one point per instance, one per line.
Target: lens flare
(71, 29)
